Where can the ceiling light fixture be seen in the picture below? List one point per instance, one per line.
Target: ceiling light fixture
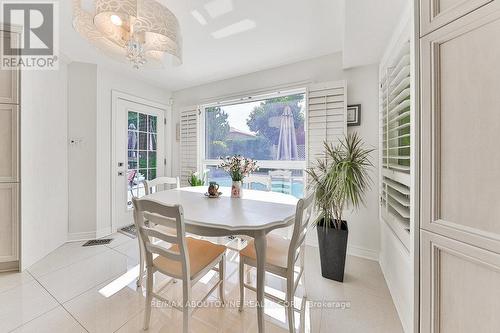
(116, 20)
(142, 31)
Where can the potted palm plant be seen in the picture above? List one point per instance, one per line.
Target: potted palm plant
(339, 180)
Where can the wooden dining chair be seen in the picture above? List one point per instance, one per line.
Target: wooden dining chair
(281, 181)
(188, 259)
(281, 258)
(150, 185)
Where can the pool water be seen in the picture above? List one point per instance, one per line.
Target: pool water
(277, 186)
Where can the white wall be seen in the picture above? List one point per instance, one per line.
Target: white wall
(44, 163)
(91, 122)
(362, 88)
(82, 120)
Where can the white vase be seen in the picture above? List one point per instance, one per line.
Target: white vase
(237, 189)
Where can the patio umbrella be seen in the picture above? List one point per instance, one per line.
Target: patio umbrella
(287, 143)
(132, 140)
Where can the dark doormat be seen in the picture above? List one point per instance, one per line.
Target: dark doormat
(129, 230)
(102, 241)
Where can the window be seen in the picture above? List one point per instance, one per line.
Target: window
(270, 130)
(395, 92)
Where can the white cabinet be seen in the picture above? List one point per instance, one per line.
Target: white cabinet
(460, 126)
(461, 285)
(437, 13)
(460, 173)
(9, 164)
(9, 226)
(9, 143)
(9, 79)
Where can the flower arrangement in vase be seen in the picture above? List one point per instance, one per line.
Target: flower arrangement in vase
(238, 167)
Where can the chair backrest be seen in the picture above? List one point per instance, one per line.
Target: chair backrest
(160, 181)
(170, 216)
(264, 180)
(303, 215)
(281, 181)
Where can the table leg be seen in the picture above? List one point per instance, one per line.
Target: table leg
(260, 251)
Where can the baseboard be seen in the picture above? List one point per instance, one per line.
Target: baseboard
(80, 236)
(356, 251)
(104, 232)
(395, 296)
(362, 252)
(9, 266)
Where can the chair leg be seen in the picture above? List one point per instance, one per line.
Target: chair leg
(303, 309)
(289, 303)
(242, 281)
(141, 264)
(186, 299)
(249, 275)
(222, 268)
(149, 298)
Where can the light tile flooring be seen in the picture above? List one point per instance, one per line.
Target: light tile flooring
(92, 289)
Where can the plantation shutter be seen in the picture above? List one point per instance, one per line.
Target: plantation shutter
(327, 117)
(395, 118)
(189, 143)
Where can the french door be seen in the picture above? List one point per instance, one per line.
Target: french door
(139, 154)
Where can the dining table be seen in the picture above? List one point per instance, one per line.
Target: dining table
(254, 214)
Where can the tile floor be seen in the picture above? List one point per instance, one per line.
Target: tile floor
(92, 289)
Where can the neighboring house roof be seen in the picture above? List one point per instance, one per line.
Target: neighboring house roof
(235, 133)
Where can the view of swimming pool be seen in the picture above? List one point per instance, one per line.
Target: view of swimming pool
(277, 186)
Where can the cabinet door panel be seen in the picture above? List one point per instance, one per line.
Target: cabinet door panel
(436, 13)
(460, 130)
(9, 227)
(9, 143)
(9, 79)
(460, 286)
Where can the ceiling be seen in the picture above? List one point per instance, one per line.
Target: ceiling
(227, 38)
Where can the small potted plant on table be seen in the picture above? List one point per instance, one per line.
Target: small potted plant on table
(238, 168)
(195, 180)
(339, 180)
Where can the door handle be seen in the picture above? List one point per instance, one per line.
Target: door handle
(120, 173)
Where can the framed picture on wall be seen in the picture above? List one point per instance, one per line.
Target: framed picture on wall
(354, 115)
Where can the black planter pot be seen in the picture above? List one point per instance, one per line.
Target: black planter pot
(332, 250)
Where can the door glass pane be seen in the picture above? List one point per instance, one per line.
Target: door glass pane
(152, 142)
(143, 141)
(141, 153)
(132, 120)
(152, 159)
(143, 124)
(152, 124)
(143, 159)
(132, 139)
